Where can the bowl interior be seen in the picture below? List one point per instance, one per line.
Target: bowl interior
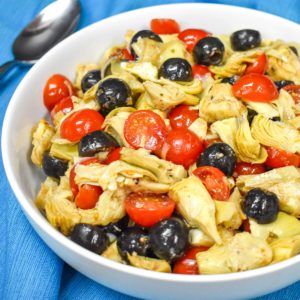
(87, 46)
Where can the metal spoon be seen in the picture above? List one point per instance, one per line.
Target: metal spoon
(54, 23)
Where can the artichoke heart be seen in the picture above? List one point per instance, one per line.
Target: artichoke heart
(144, 102)
(240, 253)
(284, 226)
(167, 96)
(112, 253)
(193, 87)
(196, 205)
(285, 248)
(64, 151)
(218, 103)
(236, 63)
(199, 127)
(248, 149)
(275, 134)
(147, 50)
(110, 176)
(143, 70)
(286, 106)
(268, 110)
(148, 263)
(42, 135)
(283, 63)
(165, 171)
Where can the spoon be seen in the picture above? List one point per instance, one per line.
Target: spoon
(54, 23)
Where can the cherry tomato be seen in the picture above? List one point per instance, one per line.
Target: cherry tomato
(278, 158)
(88, 196)
(112, 156)
(182, 116)
(184, 147)
(259, 66)
(207, 143)
(126, 54)
(243, 168)
(73, 185)
(146, 209)
(56, 88)
(187, 264)
(294, 91)
(80, 123)
(164, 26)
(65, 106)
(200, 71)
(145, 129)
(215, 182)
(191, 36)
(246, 226)
(255, 87)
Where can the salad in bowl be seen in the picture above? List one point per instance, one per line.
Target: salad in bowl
(178, 152)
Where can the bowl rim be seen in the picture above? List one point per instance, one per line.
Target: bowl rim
(40, 221)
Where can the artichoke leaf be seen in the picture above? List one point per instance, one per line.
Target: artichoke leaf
(148, 263)
(295, 122)
(167, 96)
(42, 135)
(144, 102)
(166, 172)
(143, 70)
(285, 105)
(199, 127)
(268, 110)
(47, 189)
(240, 253)
(275, 134)
(196, 205)
(112, 253)
(64, 151)
(146, 186)
(285, 248)
(218, 103)
(193, 87)
(284, 226)
(248, 149)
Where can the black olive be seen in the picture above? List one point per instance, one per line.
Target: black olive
(90, 79)
(231, 80)
(251, 114)
(261, 205)
(177, 69)
(113, 93)
(245, 39)
(276, 119)
(116, 228)
(143, 34)
(208, 51)
(282, 83)
(169, 239)
(90, 237)
(53, 166)
(96, 141)
(218, 155)
(133, 239)
(294, 49)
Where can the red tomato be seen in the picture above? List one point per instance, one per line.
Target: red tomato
(56, 88)
(215, 182)
(294, 91)
(278, 158)
(164, 26)
(80, 123)
(73, 185)
(246, 225)
(255, 87)
(147, 209)
(65, 106)
(200, 71)
(191, 36)
(187, 264)
(184, 147)
(259, 66)
(145, 129)
(88, 196)
(243, 168)
(182, 116)
(112, 156)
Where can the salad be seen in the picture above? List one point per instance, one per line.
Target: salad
(178, 152)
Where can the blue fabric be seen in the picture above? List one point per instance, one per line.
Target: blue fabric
(28, 268)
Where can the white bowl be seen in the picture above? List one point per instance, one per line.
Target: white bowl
(26, 108)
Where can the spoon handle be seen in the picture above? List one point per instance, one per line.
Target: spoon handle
(6, 66)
